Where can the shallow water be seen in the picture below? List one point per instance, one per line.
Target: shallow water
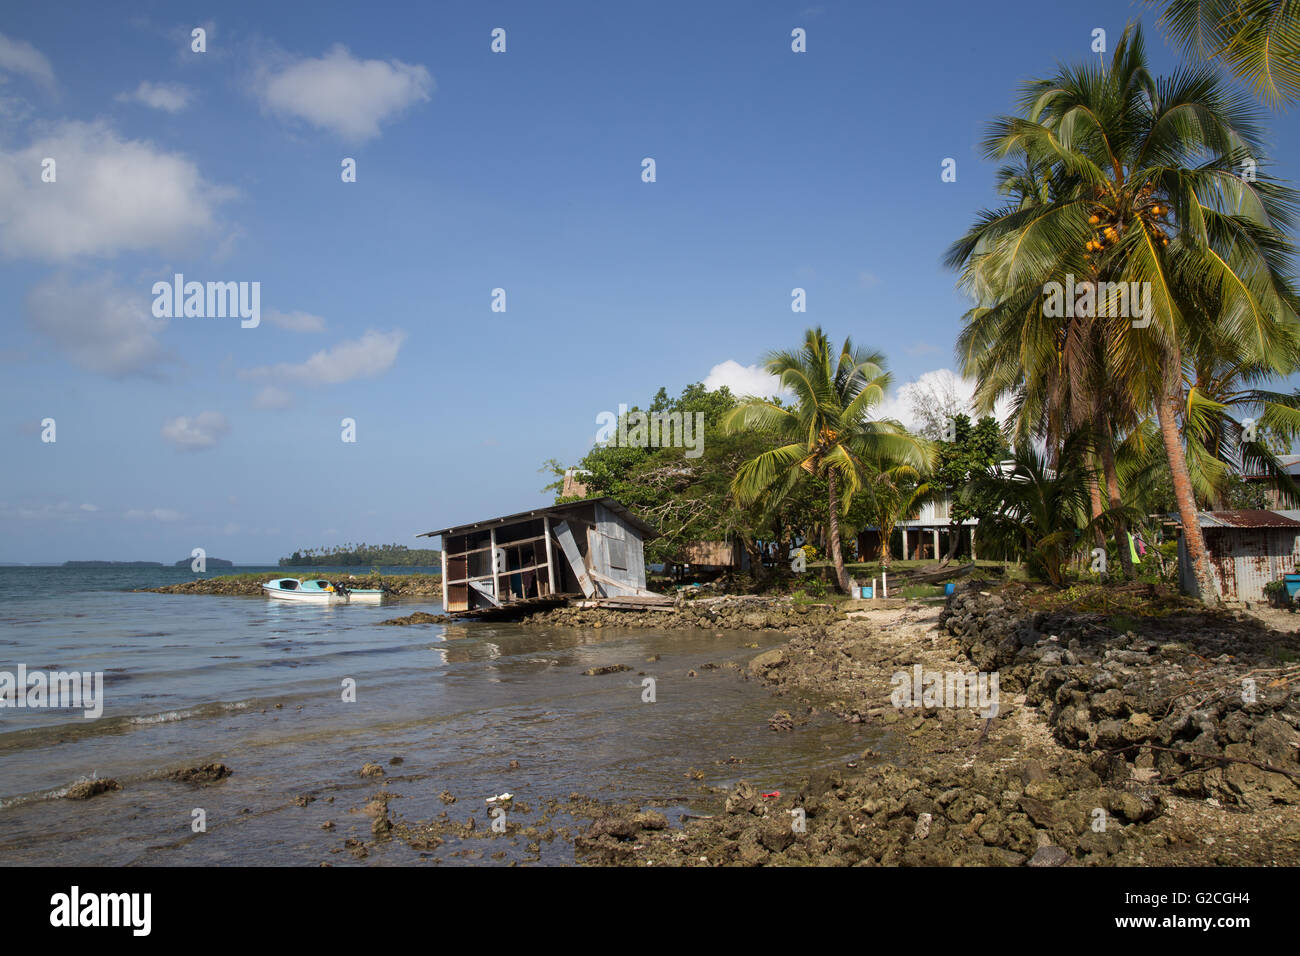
(258, 685)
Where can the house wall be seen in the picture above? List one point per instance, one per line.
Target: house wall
(606, 544)
(920, 543)
(611, 537)
(716, 554)
(1242, 560)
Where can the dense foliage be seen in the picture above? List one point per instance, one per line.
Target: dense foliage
(364, 555)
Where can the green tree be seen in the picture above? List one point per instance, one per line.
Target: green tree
(974, 450)
(890, 494)
(684, 493)
(1150, 187)
(1258, 40)
(1041, 512)
(826, 433)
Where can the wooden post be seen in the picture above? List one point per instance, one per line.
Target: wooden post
(496, 577)
(574, 557)
(444, 574)
(936, 544)
(550, 555)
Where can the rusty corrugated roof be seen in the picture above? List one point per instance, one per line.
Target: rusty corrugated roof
(1251, 518)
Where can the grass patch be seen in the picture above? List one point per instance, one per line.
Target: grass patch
(922, 591)
(1130, 602)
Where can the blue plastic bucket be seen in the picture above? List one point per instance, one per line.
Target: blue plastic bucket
(949, 588)
(865, 591)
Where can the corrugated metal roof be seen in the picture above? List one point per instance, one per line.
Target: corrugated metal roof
(554, 510)
(1252, 518)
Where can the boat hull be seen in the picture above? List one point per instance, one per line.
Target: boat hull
(304, 597)
(318, 591)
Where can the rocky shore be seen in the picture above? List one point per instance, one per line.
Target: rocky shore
(1206, 702)
(1146, 731)
(721, 613)
(1116, 741)
(250, 585)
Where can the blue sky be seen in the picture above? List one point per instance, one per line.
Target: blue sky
(475, 171)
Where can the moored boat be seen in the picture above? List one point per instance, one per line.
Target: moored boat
(320, 591)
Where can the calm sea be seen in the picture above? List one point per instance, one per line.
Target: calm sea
(258, 685)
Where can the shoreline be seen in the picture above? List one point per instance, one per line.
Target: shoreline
(1073, 770)
(250, 584)
(1122, 736)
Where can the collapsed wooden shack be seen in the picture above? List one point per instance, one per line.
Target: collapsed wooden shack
(592, 549)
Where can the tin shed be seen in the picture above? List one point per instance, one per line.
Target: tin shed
(593, 548)
(1247, 549)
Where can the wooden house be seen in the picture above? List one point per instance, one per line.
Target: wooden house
(593, 548)
(1246, 549)
(729, 554)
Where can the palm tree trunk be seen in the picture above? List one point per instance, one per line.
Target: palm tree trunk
(755, 552)
(1112, 492)
(954, 542)
(1094, 494)
(1166, 413)
(837, 557)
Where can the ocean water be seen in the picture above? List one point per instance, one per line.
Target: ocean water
(474, 709)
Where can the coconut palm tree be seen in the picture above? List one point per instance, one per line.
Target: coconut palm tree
(1151, 188)
(1058, 375)
(1258, 40)
(826, 433)
(1221, 396)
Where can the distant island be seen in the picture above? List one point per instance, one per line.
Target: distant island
(363, 555)
(184, 563)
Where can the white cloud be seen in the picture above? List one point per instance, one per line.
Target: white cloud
(156, 514)
(373, 353)
(295, 321)
(19, 56)
(111, 195)
(941, 382)
(272, 398)
(99, 326)
(343, 94)
(202, 431)
(169, 97)
(743, 380)
(88, 507)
